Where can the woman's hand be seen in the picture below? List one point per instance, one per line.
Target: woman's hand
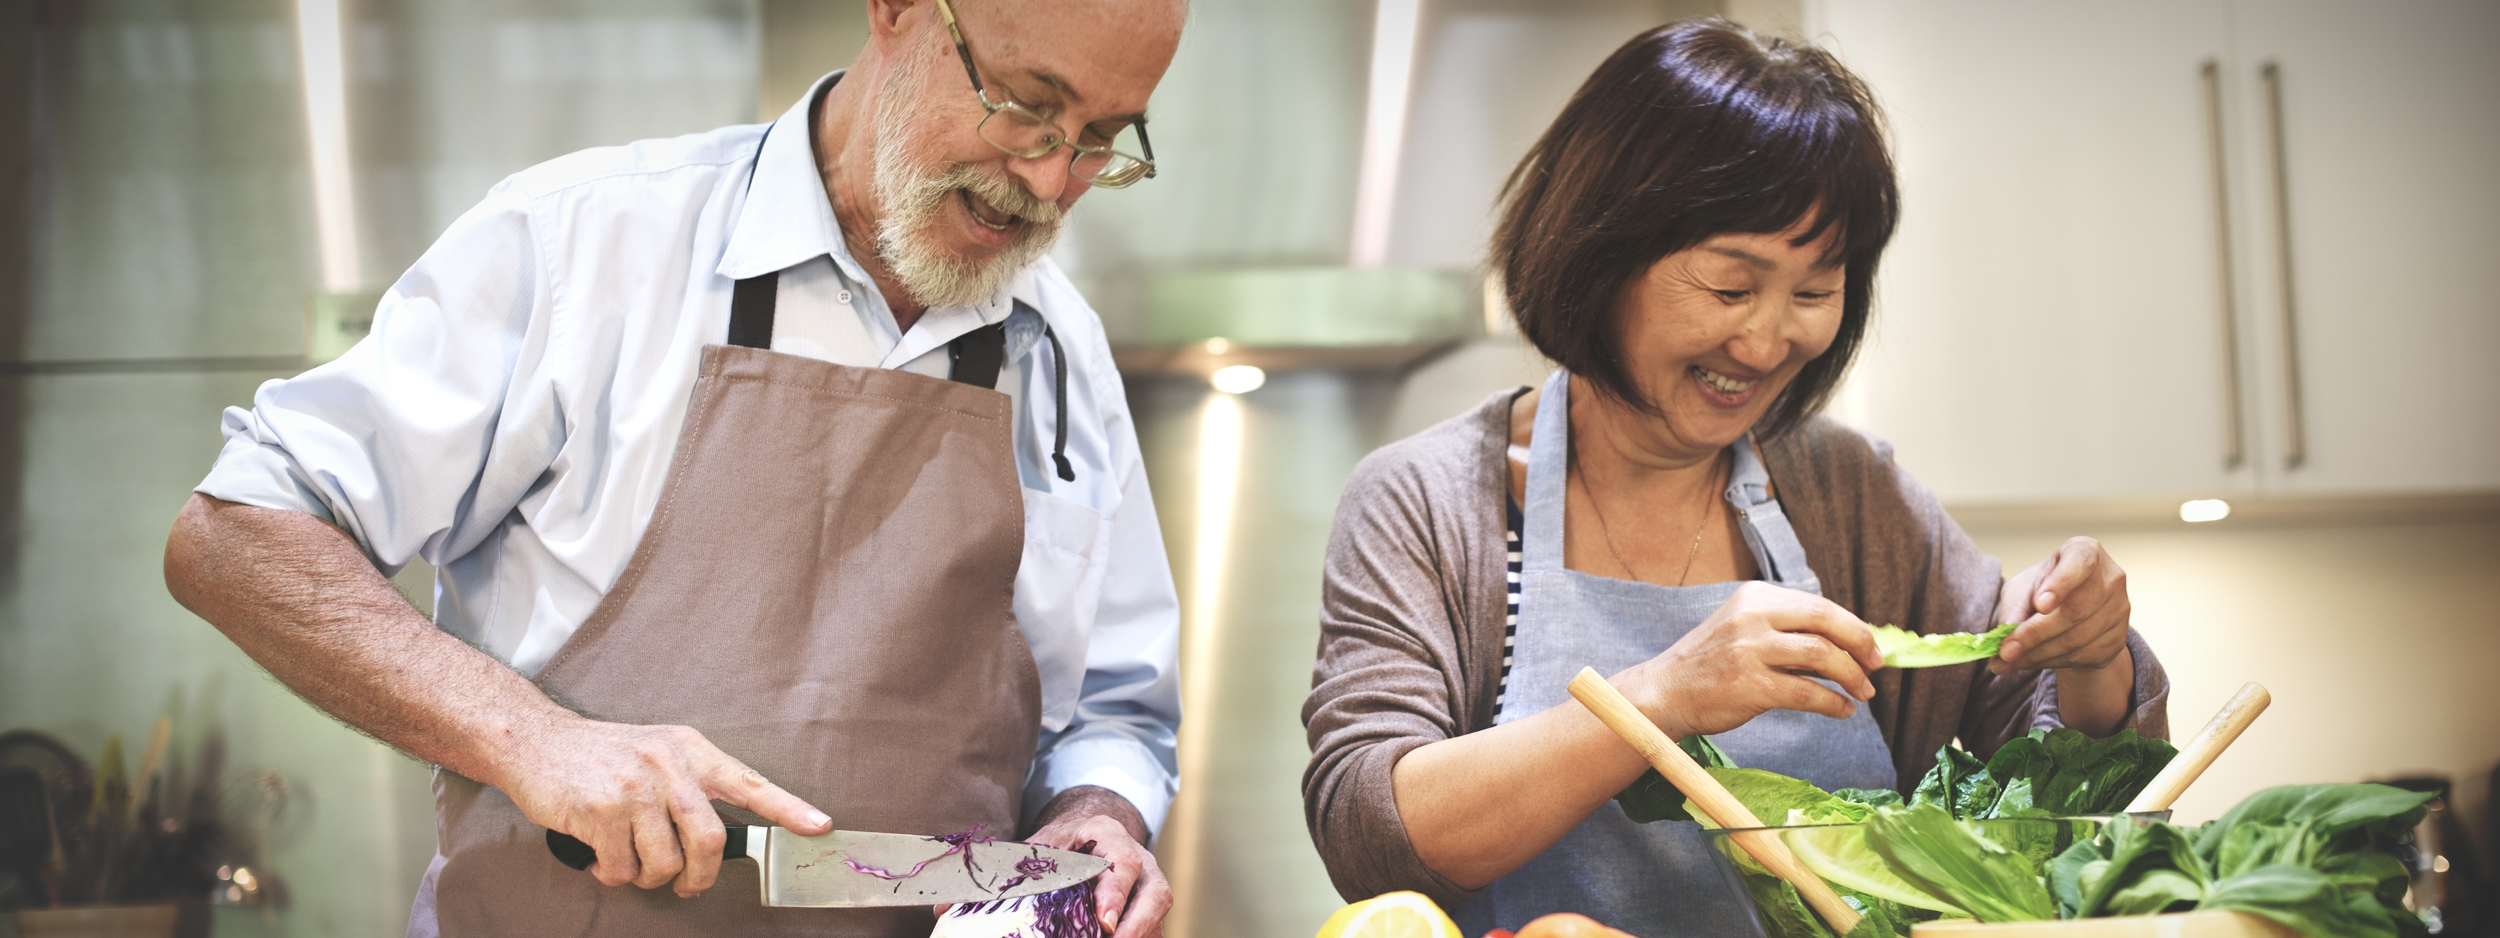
(2074, 612)
(2073, 608)
(1758, 652)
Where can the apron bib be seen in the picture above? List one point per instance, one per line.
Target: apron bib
(824, 592)
(1655, 880)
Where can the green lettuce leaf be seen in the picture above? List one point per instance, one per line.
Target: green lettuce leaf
(2049, 773)
(1784, 912)
(1841, 856)
(1871, 797)
(1906, 649)
(2137, 850)
(1953, 769)
(1931, 851)
(1652, 798)
(2312, 857)
(1779, 801)
(2066, 874)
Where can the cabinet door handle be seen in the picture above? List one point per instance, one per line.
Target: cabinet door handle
(2296, 446)
(2235, 433)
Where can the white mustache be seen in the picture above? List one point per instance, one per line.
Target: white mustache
(1000, 193)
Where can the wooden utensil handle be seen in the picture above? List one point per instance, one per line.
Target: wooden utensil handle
(2200, 752)
(1628, 722)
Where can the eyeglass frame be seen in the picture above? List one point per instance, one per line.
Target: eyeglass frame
(1075, 150)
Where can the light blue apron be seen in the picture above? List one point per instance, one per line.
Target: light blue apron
(1654, 880)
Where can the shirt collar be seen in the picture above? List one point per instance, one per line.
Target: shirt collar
(788, 220)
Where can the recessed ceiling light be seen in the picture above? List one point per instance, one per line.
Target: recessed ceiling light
(1238, 379)
(2204, 509)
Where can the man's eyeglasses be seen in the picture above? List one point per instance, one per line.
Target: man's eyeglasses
(1020, 133)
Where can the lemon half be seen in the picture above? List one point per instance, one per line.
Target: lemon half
(1391, 915)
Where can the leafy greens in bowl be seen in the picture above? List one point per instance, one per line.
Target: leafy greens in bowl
(1908, 864)
(1972, 838)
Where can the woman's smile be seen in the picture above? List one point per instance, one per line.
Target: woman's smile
(1719, 389)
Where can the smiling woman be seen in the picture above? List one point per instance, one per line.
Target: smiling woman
(1694, 241)
(1792, 154)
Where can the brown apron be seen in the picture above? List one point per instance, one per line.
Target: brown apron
(824, 592)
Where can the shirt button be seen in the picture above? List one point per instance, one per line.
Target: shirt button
(842, 297)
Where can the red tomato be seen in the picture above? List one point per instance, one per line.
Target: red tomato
(1498, 933)
(1568, 925)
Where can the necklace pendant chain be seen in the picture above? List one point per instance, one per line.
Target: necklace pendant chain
(1709, 508)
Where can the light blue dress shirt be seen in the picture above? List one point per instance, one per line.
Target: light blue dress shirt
(512, 415)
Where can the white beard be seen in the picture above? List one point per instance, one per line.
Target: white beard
(913, 196)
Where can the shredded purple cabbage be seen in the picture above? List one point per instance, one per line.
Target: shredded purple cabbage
(1060, 913)
(1029, 868)
(955, 843)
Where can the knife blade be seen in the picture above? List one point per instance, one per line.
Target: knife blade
(842, 869)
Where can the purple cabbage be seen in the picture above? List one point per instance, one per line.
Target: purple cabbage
(1060, 913)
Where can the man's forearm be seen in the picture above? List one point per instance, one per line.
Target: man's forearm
(299, 597)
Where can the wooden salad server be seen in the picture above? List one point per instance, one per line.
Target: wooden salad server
(2200, 752)
(1627, 721)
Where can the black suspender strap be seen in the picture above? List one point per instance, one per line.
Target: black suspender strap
(751, 311)
(974, 357)
(1059, 374)
(751, 301)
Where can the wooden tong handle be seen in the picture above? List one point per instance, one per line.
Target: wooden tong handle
(1628, 722)
(2200, 752)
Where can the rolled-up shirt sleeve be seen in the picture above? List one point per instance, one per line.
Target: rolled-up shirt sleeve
(409, 442)
(1125, 733)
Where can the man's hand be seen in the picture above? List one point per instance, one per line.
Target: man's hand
(642, 797)
(298, 595)
(1132, 896)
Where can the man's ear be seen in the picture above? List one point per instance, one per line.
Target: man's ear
(885, 17)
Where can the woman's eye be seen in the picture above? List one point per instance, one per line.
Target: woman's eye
(1732, 296)
(1815, 296)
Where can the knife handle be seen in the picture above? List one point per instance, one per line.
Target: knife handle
(570, 851)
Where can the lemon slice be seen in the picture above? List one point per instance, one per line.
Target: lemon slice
(1391, 915)
(1839, 854)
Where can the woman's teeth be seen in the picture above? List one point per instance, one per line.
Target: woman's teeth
(1719, 382)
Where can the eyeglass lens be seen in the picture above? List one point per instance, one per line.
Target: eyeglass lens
(1019, 132)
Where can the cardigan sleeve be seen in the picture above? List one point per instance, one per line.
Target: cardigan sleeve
(1401, 635)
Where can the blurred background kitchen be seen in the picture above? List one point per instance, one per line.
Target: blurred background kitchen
(2153, 254)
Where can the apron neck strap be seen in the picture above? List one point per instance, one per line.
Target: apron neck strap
(751, 310)
(1549, 467)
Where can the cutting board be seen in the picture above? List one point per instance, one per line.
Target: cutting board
(2224, 924)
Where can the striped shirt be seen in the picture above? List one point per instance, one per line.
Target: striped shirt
(1510, 620)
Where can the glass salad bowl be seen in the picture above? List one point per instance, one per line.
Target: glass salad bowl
(1918, 866)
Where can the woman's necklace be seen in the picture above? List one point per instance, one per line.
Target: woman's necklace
(1708, 508)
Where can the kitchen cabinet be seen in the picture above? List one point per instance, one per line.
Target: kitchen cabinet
(2103, 206)
(2391, 198)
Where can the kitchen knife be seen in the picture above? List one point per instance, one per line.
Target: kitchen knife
(835, 870)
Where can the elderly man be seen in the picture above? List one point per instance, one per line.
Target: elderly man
(707, 440)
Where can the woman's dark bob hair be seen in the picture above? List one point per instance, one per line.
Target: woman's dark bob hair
(1695, 129)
